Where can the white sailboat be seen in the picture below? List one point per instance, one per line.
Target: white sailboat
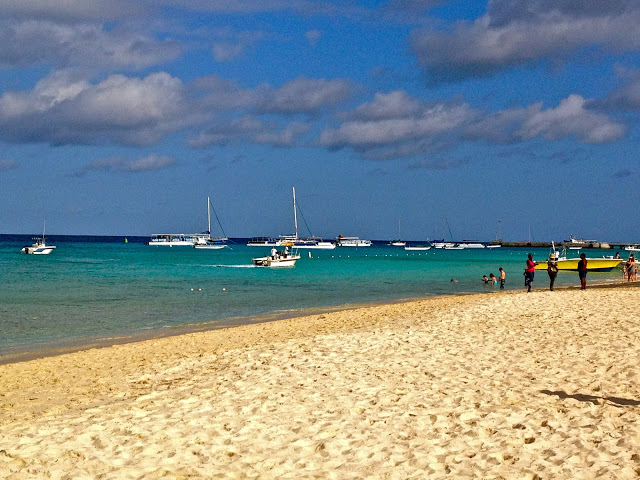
(399, 242)
(211, 243)
(39, 246)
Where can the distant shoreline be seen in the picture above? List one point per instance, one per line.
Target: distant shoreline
(76, 345)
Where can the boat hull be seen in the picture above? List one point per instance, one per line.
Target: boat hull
(38, 250)
(268, 261)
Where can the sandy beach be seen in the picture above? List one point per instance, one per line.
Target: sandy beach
(504, 385)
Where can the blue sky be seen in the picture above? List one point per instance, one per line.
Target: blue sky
(120, 118)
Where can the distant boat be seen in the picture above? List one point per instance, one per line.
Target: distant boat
(39, 246)
(264, 242)
(471, 244)
(177, 239)
(398, 243)
(343, 241)
(632, 249)
(294, 240)
(417, 247)
(211, 243)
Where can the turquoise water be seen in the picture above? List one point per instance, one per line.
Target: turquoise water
(99, 287)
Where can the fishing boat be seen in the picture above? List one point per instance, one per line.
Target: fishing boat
(278, 260)
(594, 264)
(343, 241)
(211, 243)
(39, 246)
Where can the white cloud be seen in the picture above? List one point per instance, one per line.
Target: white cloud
(83, 10)
(120, 164)
(571, 118)
(302, 95)
(517, 32)
(35, 42)
(65, 109)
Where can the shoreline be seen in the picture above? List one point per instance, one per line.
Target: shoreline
(52, 349)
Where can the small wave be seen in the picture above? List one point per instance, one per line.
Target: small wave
(233, 266)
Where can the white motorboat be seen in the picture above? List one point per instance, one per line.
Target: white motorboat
(264, 242)
(471, 244)
(211, 243)
(343, 241)
(417, 248)
(280, 259)
(178, 239)
(39, 246)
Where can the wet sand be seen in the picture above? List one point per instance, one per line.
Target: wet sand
(504, 385)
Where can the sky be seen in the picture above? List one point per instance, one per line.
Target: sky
(516, 119)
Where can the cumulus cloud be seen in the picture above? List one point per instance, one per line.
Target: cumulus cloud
(302, 95)
(519, 32)
(249, 129)
(382, 122)
(33, 42)
(66, 109)
(570, 118)
(626, 97)
(395, 125)
(121, 164)
(70, 10)
(6, 165)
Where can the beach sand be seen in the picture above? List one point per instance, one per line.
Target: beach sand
(503, 385)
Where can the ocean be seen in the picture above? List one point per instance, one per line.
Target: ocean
(95, 288)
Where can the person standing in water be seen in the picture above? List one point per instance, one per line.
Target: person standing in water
(582, 271)
(503, 277)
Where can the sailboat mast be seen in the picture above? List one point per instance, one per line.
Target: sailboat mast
(209, 215)
(295, 211)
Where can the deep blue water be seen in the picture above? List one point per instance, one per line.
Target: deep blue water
(100, 287)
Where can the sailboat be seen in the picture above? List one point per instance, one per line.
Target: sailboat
(398, 243)
(299, 242)
(211, 243)
(39, 246)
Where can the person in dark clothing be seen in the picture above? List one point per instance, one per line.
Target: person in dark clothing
(582, 271)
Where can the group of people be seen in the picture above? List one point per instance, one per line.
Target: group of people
(552, 270)
(275, 253)
(493, 280)
(630, 271)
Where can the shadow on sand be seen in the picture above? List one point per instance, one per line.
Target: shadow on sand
(620, 402)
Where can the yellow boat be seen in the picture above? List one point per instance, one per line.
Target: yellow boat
(604, 264)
